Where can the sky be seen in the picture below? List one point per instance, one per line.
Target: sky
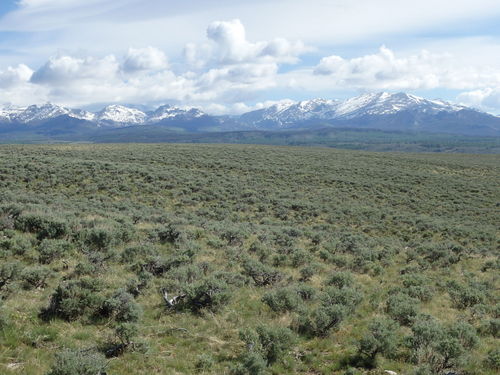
(231, 56)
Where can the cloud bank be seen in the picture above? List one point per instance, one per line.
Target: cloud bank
(384, 70)
(227, 71)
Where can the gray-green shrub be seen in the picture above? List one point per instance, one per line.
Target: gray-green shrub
(78, 362)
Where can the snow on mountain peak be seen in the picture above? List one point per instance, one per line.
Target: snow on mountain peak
(289, 112)
(369, 104)
(112, 115)
(120, 114)
(385, 103)
(9, 112)
(171, 112)
(37, 113)
(281, 114)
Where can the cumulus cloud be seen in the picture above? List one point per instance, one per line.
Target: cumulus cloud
(228, 70)
(228, 45)
(16, 88)
(487, 99)
(232, 46)
(232, 68)
(14, 76)
(384, 70)
(62, 70)
(142, 59)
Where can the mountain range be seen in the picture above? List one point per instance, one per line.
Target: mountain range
(383, 111)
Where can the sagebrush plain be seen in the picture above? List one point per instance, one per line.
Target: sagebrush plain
(287, 260)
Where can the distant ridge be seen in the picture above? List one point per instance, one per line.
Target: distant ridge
(383, 111)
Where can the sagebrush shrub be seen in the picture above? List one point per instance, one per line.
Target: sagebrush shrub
(133, 253)
(306, 292)
(271, 342)
(204, 362)
(417, 286)
(122, 307)
(250, 363)
(208, 293)
(50, 250)
(99, 239)
(126, 332)
(35, 277)
(439, 347)
(320, 321)
(307, 272)
(492, 327)
(282, 299)
(73, 299)
(9, 272)
(78, 362)
(380, 338)
(17, 245)
(402, 308)
(493, 359)
(340, 279)
(170, 233)
(349, 298)
(261, 274)
(43, 226)
(464, 296)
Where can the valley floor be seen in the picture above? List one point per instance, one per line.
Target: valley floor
(289, 260)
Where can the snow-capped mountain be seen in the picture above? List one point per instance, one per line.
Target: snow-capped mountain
(380, 104)
(119, 114)
(9, 113)
(383, 111)
(385, 104)
(167, 112)
(290, 112)
(110, 116)
(36, 113)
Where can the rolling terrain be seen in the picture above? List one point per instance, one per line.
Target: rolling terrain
(283, 260)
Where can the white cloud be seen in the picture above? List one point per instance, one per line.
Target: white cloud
(231, 40)
(315, 20)
(14, 76)
(15, 86)
(227, 70)
(384, 70)
(231, 68)
(101, 27)
(143, 76)
(232, 46)
(240, 107)
(141, 59)
(487, 99)
(62, 70)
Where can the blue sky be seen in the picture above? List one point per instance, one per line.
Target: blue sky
(228, 56)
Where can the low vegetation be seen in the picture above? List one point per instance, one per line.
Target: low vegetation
(217, 259)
